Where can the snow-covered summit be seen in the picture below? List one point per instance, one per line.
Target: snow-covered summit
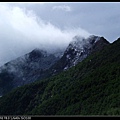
(79, 42)
(78, 49)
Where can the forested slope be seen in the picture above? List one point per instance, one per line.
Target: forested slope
(92, 87)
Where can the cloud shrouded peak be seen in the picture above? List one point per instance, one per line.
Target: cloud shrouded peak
(21, 31)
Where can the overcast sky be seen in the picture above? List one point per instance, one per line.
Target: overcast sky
(25, 26)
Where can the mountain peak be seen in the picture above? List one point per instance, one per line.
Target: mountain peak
(78, 49)
(79, 42)
(37, 54)
(41, 64)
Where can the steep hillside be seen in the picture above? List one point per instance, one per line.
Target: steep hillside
(39, 64)
(91, 87)
(78, 50)
(25, 69)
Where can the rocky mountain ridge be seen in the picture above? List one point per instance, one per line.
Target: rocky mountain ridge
(39, 64)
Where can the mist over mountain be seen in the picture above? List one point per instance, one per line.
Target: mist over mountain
(41, 64)
(59, 58)
(21, 31)
(26, 26)
(26, 69)
(78, 49)
(91, 87)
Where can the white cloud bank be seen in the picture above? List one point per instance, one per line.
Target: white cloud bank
(21, 31)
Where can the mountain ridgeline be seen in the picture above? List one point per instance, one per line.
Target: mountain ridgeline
(85, 80)
(40, 64)
(78, 50)
(25, 69)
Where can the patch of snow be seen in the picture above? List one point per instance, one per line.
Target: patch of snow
(68, 56)
(66, 68)
(97, 39)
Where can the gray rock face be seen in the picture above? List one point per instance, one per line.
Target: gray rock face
(78, 50)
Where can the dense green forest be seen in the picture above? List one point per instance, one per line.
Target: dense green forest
(92, 87)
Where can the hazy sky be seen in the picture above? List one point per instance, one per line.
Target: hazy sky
(25, 26)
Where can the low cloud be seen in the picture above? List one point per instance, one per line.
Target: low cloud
(22, 31)
(62, 7)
